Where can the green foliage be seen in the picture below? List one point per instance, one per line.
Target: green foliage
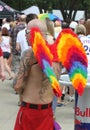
(63, 5)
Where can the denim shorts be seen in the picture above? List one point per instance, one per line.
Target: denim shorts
(6, 55)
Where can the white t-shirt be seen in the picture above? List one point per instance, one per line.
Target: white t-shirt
(86, 43)
(6, 25)
(5, 45)
(21, 40)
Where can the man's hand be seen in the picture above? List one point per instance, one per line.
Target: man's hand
(17, 89)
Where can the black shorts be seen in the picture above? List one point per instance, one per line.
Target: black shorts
(6, 55)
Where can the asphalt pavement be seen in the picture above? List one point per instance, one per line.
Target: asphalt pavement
(9, 108)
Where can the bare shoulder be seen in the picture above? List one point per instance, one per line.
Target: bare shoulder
(28, 57)
(26, 62)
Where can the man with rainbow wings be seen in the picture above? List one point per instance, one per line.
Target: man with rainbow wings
(37, 76)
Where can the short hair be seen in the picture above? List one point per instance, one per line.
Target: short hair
(31, 17)
(50, 26)
(80, 29)
(5, 32)
(65, 25)
(8, 19)
(87, 25)
(23, 18)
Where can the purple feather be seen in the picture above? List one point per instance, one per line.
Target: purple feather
(57, 126)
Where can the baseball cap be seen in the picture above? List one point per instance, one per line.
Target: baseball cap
(73, 24)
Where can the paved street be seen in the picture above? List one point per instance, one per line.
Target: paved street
(9, 108)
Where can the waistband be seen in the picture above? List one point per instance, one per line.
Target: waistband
(36, 106)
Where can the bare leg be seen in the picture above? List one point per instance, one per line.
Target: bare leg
(10, 61)
(8, 69)
(71, 93)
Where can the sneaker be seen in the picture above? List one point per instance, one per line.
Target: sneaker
(60, 104)
(10, 78)
(71, 98)
(62, 97)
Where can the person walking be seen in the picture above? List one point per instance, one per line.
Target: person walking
(35, 112)
(2, 70)
(22, 44)
(6, 48)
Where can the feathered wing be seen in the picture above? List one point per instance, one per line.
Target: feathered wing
(69, 50)
(44, 57)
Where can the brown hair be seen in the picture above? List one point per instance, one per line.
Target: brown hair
(80, 29)
(23, 18)
(87, 25)
(50, 26)
(5, 32)
(31, 17)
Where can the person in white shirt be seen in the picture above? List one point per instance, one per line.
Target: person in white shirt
(6, 48)
(6, 23)
(81, 32)
(21, 42)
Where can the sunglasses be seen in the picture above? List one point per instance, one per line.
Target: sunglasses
(27, 31)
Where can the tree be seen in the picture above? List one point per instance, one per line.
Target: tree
(67, 7)
(86, 6)
(70, 7)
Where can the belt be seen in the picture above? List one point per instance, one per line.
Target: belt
(36, 106)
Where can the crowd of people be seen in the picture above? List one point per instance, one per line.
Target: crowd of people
(37, 101)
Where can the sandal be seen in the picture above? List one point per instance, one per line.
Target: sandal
(60, 104)
(10, 78)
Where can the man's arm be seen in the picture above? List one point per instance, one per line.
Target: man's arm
(26, 62)
(18, 47)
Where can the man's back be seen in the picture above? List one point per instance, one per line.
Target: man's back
(38, 94)
(37, 88)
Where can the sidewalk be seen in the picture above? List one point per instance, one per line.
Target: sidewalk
(9, 109)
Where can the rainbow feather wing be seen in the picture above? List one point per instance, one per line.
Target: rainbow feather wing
(71, 53)
(44, 57)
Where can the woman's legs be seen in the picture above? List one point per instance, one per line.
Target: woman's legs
(10, 61)
(7, 67)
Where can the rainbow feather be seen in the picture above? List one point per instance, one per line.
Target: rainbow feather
(44, 57)
(72, 55)
(68, 50)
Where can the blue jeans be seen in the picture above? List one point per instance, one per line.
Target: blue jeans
(54, 104)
